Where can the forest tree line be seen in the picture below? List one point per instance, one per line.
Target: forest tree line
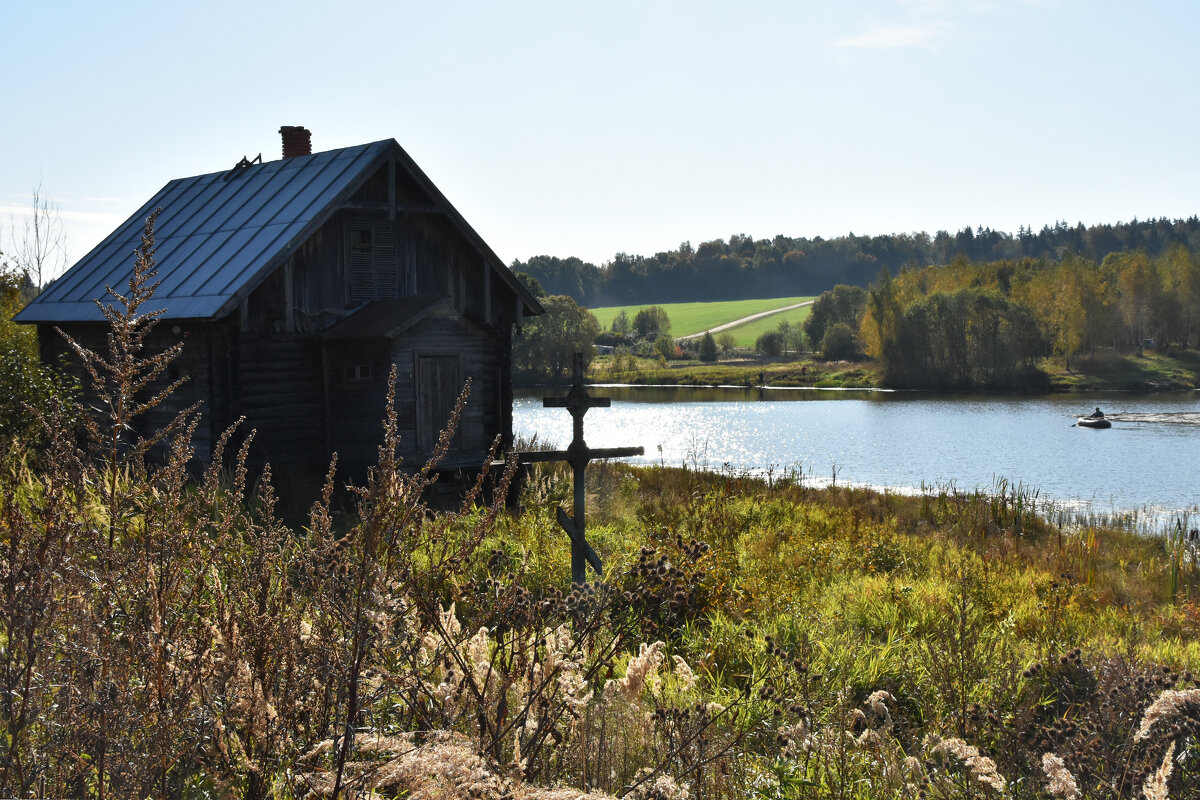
(985, 325)
(744, 267)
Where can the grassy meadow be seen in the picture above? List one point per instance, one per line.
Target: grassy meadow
(746, 335)
(689, 318)
(1150, 371)
(1106, 372)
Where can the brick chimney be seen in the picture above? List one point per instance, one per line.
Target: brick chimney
(297, 141)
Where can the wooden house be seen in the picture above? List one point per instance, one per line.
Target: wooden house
(295, 285)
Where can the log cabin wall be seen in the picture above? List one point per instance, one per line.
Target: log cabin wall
(318, 279)
(275, 374)
(272, 370)
(322, 289)
(316, 287)
(356, 376)
(433, 360)
(277, 384)
(304, 400)
(194, 364)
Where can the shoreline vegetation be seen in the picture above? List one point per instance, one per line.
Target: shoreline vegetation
(1107, 371)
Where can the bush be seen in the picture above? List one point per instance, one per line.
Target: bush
(769, 344)
(650, 322)
(842, 303)
(29, 389)
(839, 343)
(664, 346)
(547, 346)
(613, 339)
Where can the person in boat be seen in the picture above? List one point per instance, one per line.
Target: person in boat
(1097, 414)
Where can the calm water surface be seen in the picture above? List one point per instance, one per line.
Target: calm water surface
(1148, 462)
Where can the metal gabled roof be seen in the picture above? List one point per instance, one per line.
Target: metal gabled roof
(216, 234)
(219, 235)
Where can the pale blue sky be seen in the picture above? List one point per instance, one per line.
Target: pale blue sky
(586, 129)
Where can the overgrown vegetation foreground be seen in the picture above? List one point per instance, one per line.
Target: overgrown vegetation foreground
(169, 637)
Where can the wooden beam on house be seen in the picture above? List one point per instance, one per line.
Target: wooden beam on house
(289, 301)
(487, 291)
(408, 259)
(388, 208)
(391, 179)
(326, 380)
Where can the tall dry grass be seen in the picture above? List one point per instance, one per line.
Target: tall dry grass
(167, 635)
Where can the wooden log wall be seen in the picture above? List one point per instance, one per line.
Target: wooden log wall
(276, 382)
(356, 401)
(194, 363)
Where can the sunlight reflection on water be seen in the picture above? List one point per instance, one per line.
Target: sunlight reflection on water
(1148, 462)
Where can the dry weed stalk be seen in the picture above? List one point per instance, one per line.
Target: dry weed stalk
(40, 525)
(1156, 786)
(1060, 781)
(129, 590)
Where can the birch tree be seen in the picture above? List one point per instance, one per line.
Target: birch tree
(38, 246)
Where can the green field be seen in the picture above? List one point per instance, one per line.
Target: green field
(747, 334)
(689, 318)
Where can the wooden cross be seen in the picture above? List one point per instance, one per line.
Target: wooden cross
(578, 454)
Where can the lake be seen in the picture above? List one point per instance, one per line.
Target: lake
(1148, 463)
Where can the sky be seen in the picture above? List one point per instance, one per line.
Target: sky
(588, 129)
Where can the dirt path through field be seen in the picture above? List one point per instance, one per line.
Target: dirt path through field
(750, 318)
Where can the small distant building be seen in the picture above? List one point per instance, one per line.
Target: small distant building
(295, 286)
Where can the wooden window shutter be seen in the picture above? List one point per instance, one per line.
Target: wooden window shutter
(374, 261)
(386, 266)
(362, 283)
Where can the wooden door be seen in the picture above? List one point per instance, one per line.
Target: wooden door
(438, 387)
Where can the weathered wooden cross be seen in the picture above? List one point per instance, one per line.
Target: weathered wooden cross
(578, 454)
